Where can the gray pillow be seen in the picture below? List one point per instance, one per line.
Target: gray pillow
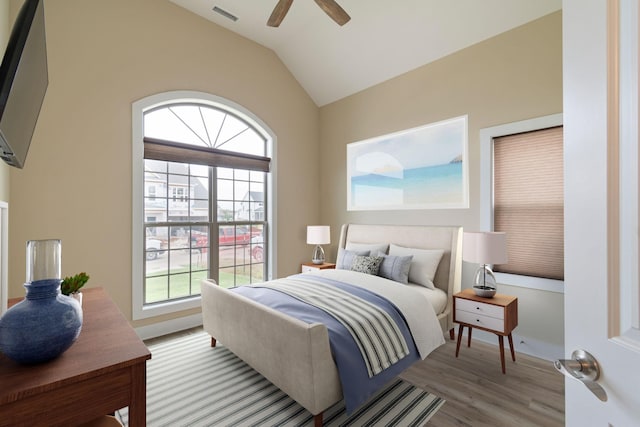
(371, 247)
(395, 268)
(366, 264)
(345, 258)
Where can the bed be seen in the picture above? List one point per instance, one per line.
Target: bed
(296, 355)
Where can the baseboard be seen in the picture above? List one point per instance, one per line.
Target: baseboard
(526, 345)
(169, 326)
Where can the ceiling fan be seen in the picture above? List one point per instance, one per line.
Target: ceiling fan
(330, 7)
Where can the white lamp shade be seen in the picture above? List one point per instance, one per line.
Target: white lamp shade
(485, 247)
(318, 234)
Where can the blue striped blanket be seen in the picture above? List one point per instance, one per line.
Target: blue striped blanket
(369, 338)
(375, 333)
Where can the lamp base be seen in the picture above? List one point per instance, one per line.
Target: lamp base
(484, 283)
(484, 292)
(318, 255)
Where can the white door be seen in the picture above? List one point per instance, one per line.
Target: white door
(601, 206)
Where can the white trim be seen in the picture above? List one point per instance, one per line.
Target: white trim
(522, 344)
(4, 256)
(629, 286)
(139, 311)
(487, 136)
(169, 326)
(539, 283)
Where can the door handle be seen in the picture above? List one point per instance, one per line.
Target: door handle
(583, 367)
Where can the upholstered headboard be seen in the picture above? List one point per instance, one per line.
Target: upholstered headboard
(449, 273)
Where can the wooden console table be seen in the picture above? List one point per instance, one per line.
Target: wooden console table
(103, 371)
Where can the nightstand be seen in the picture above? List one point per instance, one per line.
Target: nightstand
(309, 266)
(498, 315)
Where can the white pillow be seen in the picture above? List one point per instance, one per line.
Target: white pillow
(423, 265)
(373, 248)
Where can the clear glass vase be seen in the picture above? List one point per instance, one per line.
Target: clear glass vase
(44, 260)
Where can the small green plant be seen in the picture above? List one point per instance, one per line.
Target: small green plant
(72, 284)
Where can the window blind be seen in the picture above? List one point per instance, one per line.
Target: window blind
(529, 201)
(157, 149)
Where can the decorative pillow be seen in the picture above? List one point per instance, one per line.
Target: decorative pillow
(423, 266)
(395, 268)
(345, 258)
(371, 247)
(366, 264)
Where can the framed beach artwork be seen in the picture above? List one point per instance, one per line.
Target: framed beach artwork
(420, 168)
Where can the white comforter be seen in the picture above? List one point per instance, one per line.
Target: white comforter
(415, 306)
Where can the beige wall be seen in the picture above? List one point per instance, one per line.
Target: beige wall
(6, 22)
(104, 55)
(511, 77)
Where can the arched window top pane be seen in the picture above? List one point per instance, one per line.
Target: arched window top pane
(204, 126)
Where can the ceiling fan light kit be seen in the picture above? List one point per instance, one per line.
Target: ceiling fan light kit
(330, 7)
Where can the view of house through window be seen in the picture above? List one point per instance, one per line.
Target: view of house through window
(204, 204)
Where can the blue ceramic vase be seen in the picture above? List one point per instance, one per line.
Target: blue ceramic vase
(42, 326)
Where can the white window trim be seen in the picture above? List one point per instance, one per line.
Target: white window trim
(139, 311)
(487, 136)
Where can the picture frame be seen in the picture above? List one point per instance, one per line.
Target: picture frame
(425, 167)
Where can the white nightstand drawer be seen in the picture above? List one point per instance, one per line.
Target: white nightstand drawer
(479, 320)
(498, 315)
(479, 308)
(308, 268)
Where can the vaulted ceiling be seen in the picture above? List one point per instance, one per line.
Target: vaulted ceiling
(383, 39)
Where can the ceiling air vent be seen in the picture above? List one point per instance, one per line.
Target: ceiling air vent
(225, 13)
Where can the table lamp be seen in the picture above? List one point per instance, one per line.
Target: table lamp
(318, 235)
(484, 248)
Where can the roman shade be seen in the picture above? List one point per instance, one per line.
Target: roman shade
(158, 149)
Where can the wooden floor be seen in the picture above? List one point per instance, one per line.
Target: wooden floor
(531, 393)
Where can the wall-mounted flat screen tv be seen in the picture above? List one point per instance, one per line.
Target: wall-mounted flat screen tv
(24, 79)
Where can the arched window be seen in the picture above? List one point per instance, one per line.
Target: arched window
(201, 188)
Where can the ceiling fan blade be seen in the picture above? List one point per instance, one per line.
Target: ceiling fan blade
(334, 10)
(279, 13)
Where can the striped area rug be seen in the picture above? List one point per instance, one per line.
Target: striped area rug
(191, 384)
